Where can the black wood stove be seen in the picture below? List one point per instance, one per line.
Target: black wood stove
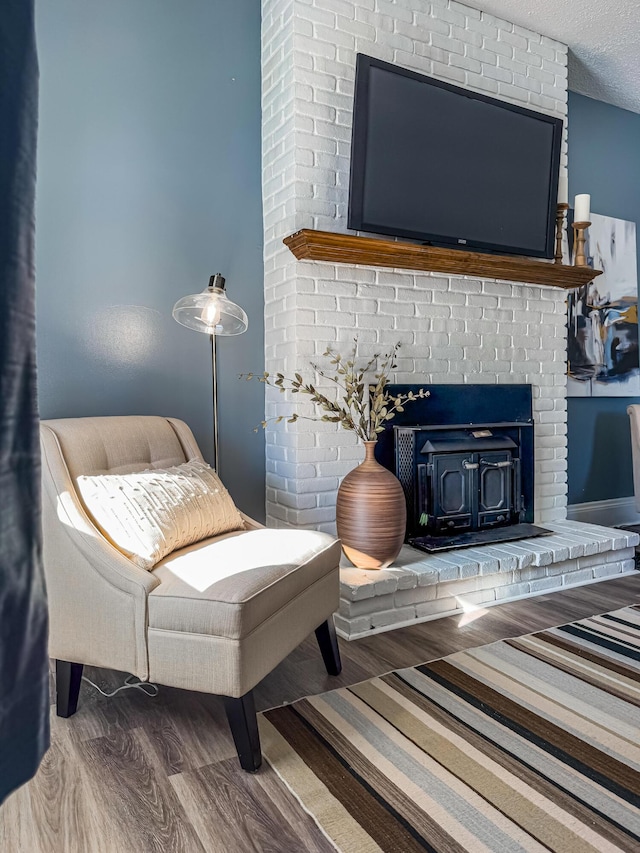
(466, 465)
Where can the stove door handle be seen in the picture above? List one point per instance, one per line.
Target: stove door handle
(470, 466)
(506, 464)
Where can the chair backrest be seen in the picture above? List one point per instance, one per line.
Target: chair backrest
(97, 596)
(634, 419)
(120, 445)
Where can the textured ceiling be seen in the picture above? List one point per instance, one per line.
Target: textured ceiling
(603, 37)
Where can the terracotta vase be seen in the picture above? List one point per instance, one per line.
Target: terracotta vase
(371, 514)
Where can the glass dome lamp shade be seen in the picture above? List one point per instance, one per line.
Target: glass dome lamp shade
(211, 311)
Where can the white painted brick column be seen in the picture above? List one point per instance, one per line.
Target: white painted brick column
(453, 329)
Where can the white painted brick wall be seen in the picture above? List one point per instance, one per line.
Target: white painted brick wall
(453, 329)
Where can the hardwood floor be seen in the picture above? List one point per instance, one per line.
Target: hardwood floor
(135, 773)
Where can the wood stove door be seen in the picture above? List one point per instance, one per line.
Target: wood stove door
(495, 482)
(453, 485)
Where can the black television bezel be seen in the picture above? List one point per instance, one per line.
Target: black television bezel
(355, 219)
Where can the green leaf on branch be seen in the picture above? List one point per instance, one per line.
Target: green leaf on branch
(362, 403)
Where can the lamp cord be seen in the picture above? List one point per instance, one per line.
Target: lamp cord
(146, 687)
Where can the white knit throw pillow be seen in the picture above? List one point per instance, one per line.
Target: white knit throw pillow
(149, 514)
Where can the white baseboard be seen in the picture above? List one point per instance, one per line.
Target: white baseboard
(610, 513)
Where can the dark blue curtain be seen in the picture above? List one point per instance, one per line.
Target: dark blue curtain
(24, 691)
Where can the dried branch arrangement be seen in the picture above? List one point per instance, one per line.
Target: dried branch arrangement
(362, 403)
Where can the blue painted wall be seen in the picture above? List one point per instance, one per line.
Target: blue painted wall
(604, 160)
(148, 182)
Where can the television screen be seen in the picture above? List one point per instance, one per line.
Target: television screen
(446, 165)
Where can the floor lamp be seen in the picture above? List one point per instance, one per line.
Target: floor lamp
(214, 314)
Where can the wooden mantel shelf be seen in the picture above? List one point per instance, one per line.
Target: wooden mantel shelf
(309, 245)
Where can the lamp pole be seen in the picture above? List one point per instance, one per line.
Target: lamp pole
(214, 401)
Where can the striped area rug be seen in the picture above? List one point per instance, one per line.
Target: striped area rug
(528, 744)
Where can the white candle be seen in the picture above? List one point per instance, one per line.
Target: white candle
(563, 189)
(582, 208)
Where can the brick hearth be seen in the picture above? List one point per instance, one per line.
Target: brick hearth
(421, 587)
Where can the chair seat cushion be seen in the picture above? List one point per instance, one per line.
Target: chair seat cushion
(227, 586)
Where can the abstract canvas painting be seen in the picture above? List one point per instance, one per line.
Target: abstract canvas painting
(603, 358)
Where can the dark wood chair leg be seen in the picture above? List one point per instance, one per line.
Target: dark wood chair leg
(328, 642)
(241, 714)
(68, 680)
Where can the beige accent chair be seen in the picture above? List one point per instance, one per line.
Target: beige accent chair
(634, 419)
(216, 616)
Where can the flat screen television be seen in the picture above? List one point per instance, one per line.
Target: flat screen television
(445, 165)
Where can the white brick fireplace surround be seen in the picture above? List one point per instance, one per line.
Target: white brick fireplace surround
(453, 329)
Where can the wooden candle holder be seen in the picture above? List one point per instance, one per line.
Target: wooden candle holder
(578, 230)
(560, 214)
